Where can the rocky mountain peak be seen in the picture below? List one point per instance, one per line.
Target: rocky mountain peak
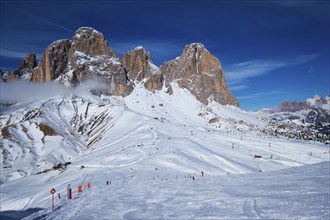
(91, 42)
(24, 70)
(87, 56)
(201, 73)
(292, 106)
(29, 62)
(310, 103)
(139, 48)
(194, 47)
(26, 67)
(139, 67)
(53, 62)
(136, 63)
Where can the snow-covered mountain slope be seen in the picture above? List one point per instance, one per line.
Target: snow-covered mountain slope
(148, 127)
(51, 143)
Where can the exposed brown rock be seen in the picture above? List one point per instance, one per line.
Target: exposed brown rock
(24, 70)
(201, 73)
(136, 64)
(292, 106)
(9, 75)
(139, 66)
(29, 62)
(154, 82)
(105, 69)
(87, 56)
(91, 42)
(53, 62)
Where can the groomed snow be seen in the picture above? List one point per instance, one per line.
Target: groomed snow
(294, 193)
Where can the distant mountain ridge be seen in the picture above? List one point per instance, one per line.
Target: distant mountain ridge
(310, 103)
(87, 56)
(308, 120)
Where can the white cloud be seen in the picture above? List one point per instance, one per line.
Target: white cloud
(20, 54)
(13, 53)
(259, 94)
(237, 87)
(238, 73)
(48, 22)
(304, 58)
(19, 90)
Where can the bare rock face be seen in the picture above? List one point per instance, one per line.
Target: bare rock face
(292, 106)
(154, 82)
(86, 57)
(9, 75)
(91, 58)
(102, 68)
(91, 42)
(53, 62)
(29, 62)
(136, 64)
(24, 70)
(139, 66)
(201, 73)
(26, 67)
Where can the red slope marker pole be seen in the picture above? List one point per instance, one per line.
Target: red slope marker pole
(53, 191)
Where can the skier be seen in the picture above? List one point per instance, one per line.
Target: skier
(202, 173)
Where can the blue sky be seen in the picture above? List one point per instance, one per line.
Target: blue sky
(271, 51)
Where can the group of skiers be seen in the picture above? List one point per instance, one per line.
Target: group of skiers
(80, 187)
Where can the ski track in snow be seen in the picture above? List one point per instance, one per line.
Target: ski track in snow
(300, 192)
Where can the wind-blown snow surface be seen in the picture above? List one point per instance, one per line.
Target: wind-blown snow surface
(295, 193)
(148, 145)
